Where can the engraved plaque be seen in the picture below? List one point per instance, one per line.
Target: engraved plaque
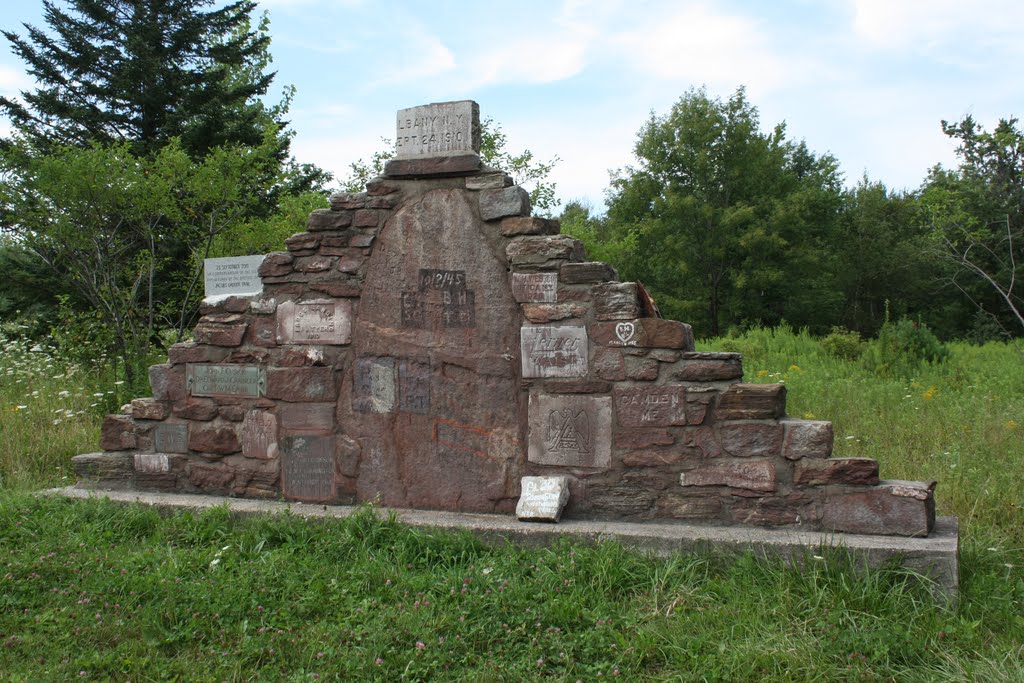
(152, 463)
(373, 385)
(307, 468)
(554, 351)
(170, 438)
(440, 129)
(651, 406)
(259, 435)
(246, 381)
(314, 322)
(233, 275)
(542, 498)
(414, 310)
(535, 287)
(570, 430)
(458, 308)
(413, 387)
(433, 278)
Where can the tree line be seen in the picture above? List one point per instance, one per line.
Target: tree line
(731, 227)
(149, 143)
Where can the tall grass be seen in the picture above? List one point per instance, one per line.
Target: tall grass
(960, 422)
(50, 410)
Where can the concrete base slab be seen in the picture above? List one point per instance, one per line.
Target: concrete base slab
(936, 557)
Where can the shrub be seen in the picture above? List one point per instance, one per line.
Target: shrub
(843, 343)
(902, 347)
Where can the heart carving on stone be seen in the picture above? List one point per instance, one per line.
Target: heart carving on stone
(625, 331)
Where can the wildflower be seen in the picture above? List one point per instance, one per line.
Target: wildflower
(420, 645)
(378, 661)
(1011, 425)
(930, 393)
(795, 368)
(808, 416)
(762, 373)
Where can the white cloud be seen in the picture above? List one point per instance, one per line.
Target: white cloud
(423, 56)
(930, 24)
(699, 45)
(13, 80)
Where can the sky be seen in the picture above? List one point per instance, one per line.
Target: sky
(868, 81)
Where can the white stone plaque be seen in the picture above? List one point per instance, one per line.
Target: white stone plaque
(259, 435)
(440, 129)
(542, 498)
(314, 322)
(152, 463)
(550, 351)
(232, 276)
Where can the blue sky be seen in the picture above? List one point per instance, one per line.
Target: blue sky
(867, 80)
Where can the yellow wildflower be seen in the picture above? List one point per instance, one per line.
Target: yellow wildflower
(930, 393)
(1011, 425)
(795, 368)
(808, 416)
(762, 373)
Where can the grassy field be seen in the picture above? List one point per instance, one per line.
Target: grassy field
(90, 590)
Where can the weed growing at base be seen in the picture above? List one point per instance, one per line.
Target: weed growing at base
(93, 590)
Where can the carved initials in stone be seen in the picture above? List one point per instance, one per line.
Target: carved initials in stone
(569, 432)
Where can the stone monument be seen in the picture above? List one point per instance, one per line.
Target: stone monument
(429, 344)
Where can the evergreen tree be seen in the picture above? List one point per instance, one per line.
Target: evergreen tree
(142, 71)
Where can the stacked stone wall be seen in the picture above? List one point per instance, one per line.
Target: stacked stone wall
(428, 343)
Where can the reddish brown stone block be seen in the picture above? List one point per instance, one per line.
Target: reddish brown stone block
(262, 332)
(545, 313)
(328, 219)
(543, 251)
(341, 201)
(210, 477)
(149, 409)
(302, 241)
(366, 218)
(317, 418)
(616, 301)
(315, 264)
(698, 403)
(587, 272)
(378, 187)
(232, 413)
(773, 511)
(662, 405)
(753, 475)
(276, 264)
(895, 508)
(167, 382)
(708, 369)
(652, 458)
(215, 438)
(853, 471)
(577, 386)
(455, 164)
(515, 226)
(752, 439)
(807, 439)
(642, 369)
(689, 507)
(218, 334)
(643, 333)
(752, 402)
(201, 409)
(118, 433)
(301, 384)
(702, 440)
(609, 364)
(338, 289)
(191, 352)
(643, 438)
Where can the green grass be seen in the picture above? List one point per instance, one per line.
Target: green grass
(98, 591)
(90, 590)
